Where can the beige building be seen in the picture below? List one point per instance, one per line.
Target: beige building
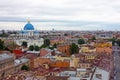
(87, 49)
(84, 65)
(73, 60)
(8, 64)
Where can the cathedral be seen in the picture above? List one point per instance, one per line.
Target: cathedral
(28, 32)
(29, 35)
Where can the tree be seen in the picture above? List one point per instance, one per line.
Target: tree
(113, 41)
(24, 44)
(65, 34)
(55, 45)
(74, 48)
(37, 48)
(31, 48)
(81, 41)
(43, 46)
(93, 38)
(25, 67)
(3, 34)
(118, 42)
(47, 42)
(1, 45)
(51, 48)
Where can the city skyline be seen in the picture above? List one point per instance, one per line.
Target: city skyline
(75, 26)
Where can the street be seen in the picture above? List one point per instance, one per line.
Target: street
(116, 52)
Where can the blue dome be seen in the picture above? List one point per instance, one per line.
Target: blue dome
(29, 26)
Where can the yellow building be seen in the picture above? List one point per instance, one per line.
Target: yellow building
(90, 56)
(73, 60)
(62, 58)
(84, 49)
(52, 42)
(87, 49)
(106, 44)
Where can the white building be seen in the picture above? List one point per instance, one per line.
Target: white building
(29, 35)
(101, 74)
(104, 36)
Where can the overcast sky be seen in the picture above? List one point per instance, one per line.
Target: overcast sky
(61, 10)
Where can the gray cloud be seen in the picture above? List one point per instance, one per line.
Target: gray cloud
(53, 7)
(66, 12)
(98, 10)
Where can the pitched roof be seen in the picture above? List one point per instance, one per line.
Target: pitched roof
(56, 78)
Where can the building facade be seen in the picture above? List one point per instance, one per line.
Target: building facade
(10, 65)
(29, 35)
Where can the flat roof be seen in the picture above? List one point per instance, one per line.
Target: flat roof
(20, 61)
(4, 56)
(104, 74)
(81, 69)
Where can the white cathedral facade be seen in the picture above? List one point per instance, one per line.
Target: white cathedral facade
(29, 35)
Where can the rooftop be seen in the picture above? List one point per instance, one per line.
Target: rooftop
(100, 74)
(5, 56)
(56, 78)
(20, 61)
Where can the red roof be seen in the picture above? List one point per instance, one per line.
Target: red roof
(43, 52)
(18, 53)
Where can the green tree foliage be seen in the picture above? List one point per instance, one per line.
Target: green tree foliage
(43, 46)
(93, 38)
(118, 42)
(1, 45)
(55, 45)
(31, 48)
(81, 41)
(113, 41)
(74, 48)
(65, 34)
(3, 34)
(51, 48)
(37, 48)
(25, 67)
(24, 44)
(47, 42)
